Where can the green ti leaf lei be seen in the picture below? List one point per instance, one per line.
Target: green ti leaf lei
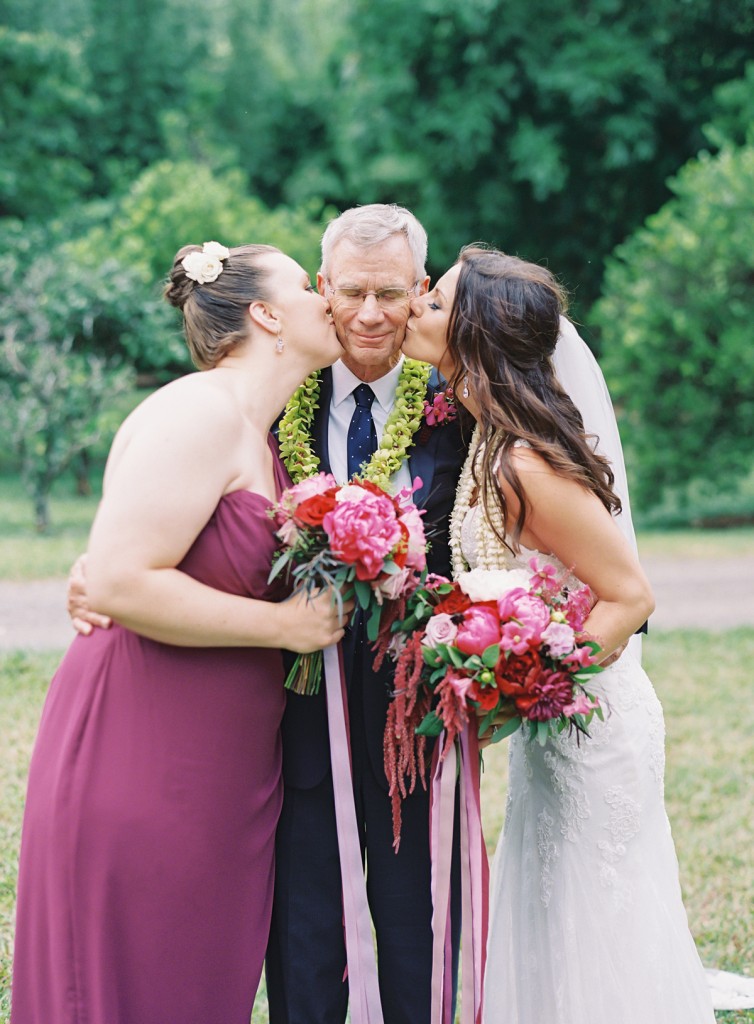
(405, 418)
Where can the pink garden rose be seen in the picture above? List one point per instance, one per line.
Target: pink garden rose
(392, 586)
(363, 532)
(309, 488)
(559, 638)
(288, 532)
(354, 493)
(439, 630)
(479, 629)
(528, 609)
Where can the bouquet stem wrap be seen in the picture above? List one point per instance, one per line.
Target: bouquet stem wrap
(363, 985)
(305, 674)
(463, 755)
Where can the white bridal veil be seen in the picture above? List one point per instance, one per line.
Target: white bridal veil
(580, 375)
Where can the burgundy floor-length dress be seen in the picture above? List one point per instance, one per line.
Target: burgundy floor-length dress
(147, 853)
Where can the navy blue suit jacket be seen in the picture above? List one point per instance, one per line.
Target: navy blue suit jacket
(436, 457)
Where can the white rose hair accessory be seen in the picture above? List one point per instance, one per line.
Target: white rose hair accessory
(207, 265)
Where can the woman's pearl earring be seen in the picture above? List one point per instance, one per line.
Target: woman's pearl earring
(465, 392)
(279, 344)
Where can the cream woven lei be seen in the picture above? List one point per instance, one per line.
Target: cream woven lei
(491, 553)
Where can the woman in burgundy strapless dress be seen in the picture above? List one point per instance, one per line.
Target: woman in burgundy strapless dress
(147, 853)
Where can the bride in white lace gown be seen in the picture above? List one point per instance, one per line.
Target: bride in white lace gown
(587, 924)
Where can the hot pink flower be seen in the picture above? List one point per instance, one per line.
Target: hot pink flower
(363, 533)
(545, 577)
(441, 410)
(581, 705)
(434, 580)
(530, 610)
(578, 606)
(517, 637)
(479, 629)
(582, 657)
(460, 684)
(439, 630)
(559, 638)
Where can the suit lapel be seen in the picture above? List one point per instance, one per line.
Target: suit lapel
(422, 458)
(320, 431)
(421, 463)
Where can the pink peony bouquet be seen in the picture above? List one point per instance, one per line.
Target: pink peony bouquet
(356, 539)
(496, 644)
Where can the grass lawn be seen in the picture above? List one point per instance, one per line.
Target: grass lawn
(697, 544)
(709, 771)
(25, 555)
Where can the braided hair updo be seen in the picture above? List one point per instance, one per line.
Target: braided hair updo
(215, 317)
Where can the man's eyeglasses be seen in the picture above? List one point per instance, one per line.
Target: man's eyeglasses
(387, 298)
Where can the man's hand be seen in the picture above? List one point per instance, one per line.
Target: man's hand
(82, 617)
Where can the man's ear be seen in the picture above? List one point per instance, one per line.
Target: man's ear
(261, 314)
(424, 286)
(321, 282)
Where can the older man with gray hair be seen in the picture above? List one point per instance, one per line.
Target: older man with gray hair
(372, 265)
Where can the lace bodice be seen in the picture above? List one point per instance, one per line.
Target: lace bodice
(519, 560)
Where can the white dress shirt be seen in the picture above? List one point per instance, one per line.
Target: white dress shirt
(342, 406)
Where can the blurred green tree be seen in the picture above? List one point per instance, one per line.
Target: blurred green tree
(549, 129)
(46, 104)
(54, 393)
(146, 57)
(276, 75)
(169, 205)
(675, 319)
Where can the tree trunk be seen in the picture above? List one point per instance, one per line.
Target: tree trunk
(81, 466)
(41, 507)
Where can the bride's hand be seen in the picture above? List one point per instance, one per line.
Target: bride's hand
(612, 658)
(500, 719)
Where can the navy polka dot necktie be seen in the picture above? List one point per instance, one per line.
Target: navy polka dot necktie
(362, 435)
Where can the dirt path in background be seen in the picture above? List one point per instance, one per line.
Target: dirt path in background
(692, 594)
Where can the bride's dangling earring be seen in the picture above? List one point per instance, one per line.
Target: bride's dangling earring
(279, 344)
(465, 391)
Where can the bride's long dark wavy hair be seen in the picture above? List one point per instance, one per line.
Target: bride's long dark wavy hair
(503, 328)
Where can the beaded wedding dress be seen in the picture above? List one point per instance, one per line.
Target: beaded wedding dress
(587, 924)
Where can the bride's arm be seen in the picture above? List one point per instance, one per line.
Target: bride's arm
(164, 478)
(565, 519)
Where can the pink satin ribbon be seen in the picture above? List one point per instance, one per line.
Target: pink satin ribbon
(363, 984)
(474, 879)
